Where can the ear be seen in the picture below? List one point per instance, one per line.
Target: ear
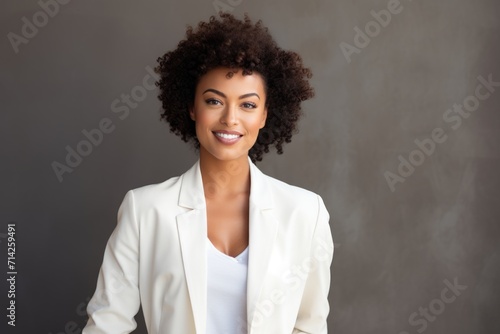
(264, 117)
(191, 113)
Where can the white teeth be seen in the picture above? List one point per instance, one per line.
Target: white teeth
(226, 135)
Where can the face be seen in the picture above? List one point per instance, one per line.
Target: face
(228, 112)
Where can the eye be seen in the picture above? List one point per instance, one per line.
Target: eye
(213, 102)
(249, 105)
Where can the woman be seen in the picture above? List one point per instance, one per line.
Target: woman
(223, 248)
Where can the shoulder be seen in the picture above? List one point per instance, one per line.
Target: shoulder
(152, 195)
(282, 194)
(293, 193)
(168, 195)
(295, 200)
(302, 213)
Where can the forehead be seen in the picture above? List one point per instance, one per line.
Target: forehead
(237, 83)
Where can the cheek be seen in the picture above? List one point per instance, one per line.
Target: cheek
(198, 111)
(254, 123)
(203, 117)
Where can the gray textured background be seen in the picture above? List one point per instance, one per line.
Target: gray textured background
(394, 249)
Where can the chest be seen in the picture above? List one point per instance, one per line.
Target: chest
(227, 224)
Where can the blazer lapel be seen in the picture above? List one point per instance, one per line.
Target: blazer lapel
(263, 230)
(192, 229)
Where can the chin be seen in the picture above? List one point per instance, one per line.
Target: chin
(227, 154)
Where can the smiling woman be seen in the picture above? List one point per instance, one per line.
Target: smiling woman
(228, 111)
(223, 248)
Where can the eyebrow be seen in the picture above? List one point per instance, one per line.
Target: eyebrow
(224, 95)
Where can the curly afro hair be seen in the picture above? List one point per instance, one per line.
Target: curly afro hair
(236, 44)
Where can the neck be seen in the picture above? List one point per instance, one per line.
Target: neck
(224, 178)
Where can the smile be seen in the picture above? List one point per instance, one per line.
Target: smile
(227, 138)
(227, 135)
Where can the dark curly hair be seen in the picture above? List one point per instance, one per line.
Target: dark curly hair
(236, 44)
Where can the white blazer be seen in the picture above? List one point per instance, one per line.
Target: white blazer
(156, 256)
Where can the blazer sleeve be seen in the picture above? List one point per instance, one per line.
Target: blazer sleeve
(314, 307)
(116, 300)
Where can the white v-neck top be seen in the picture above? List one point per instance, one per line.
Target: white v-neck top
(226, 291)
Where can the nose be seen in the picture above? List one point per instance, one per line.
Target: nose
(230, 115)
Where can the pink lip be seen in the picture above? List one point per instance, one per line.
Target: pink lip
(227, 141)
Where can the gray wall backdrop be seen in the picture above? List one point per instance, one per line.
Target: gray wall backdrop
(412, 185)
